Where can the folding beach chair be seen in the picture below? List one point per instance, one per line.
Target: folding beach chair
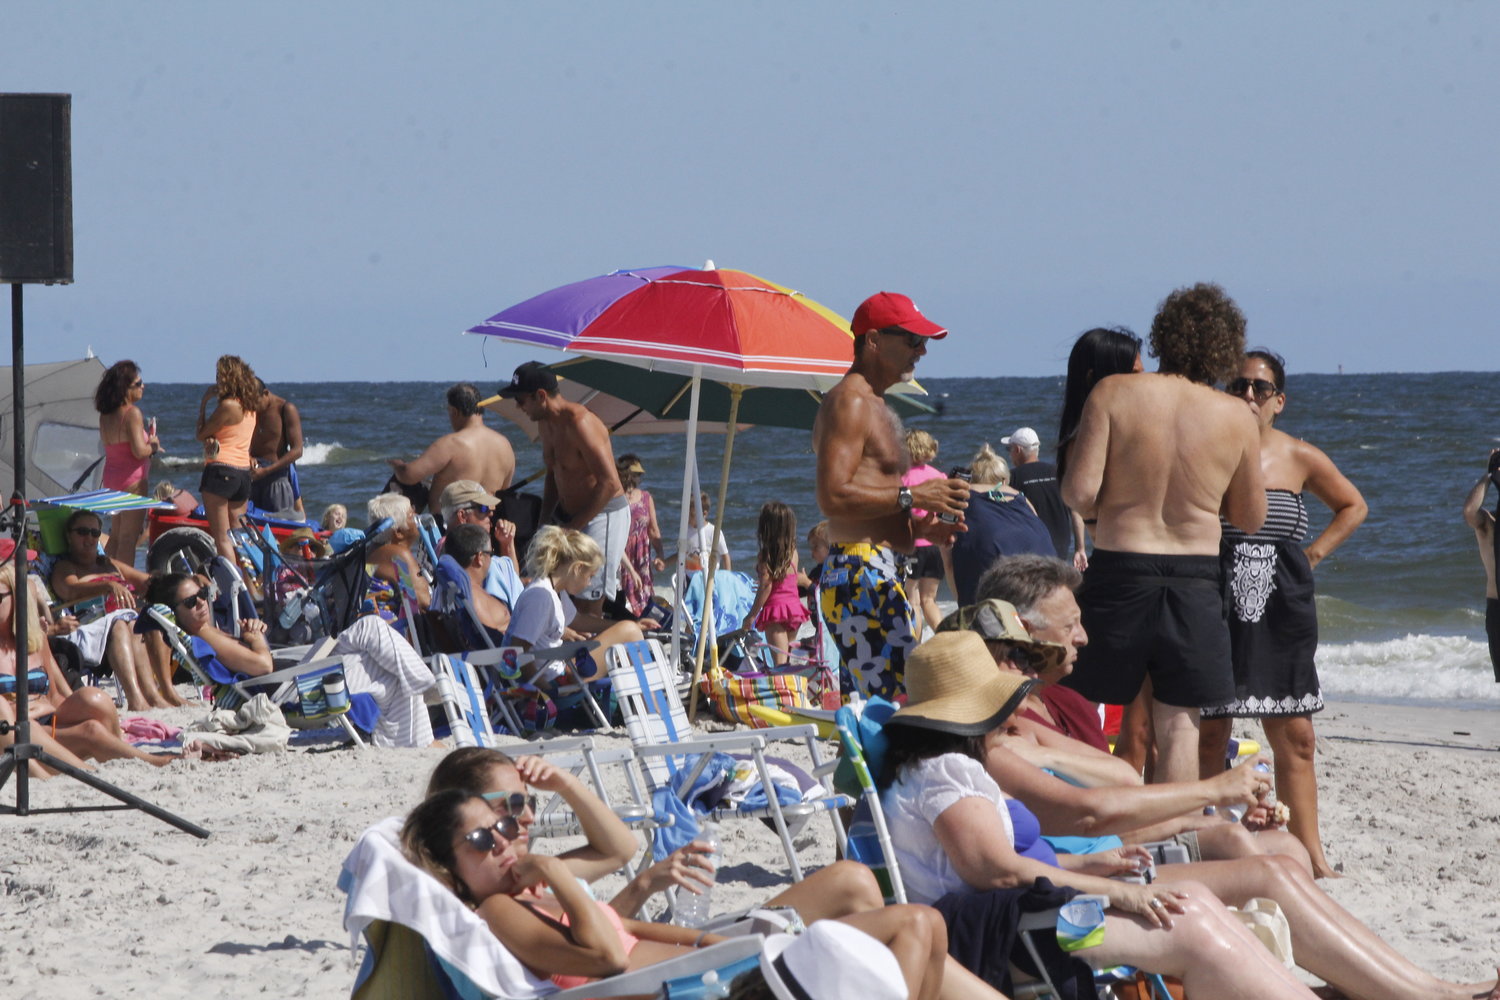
(461, 694)
(521, 707)
(301, 691)
(421, 942)
(673, 755)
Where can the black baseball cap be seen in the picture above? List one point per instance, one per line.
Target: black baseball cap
(530, 377)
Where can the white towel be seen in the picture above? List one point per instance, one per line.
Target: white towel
(257, 726)
(383, 885)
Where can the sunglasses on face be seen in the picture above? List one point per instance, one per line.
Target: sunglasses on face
(483, 839)
(913, 340)
(1262, 388)
(191, 600)
(479, 508)
(138, 384)
(88, 532)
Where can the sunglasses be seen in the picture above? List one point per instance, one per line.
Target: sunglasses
(205, 595)
(913, 340)
(511, 803)
(483, 839)
(88, 532)
(479, 508)
(138, 384)
(1262, 388)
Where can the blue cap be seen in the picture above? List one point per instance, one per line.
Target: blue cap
(345, 538)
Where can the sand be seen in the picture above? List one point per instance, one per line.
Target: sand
(119, 904)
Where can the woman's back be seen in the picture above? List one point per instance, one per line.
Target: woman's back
(1000, 523)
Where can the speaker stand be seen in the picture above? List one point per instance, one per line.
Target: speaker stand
(16, 758)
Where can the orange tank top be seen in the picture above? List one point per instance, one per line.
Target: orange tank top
(234, 442)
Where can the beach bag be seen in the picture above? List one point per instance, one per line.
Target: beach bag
(731, 695)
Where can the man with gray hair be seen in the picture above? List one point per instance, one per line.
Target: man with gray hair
(471, 451)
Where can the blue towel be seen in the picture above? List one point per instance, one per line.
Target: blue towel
(707, 793)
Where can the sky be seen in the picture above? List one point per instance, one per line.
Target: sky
(337, 190)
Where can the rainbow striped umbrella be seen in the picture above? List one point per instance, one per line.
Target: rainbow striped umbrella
(720, 323)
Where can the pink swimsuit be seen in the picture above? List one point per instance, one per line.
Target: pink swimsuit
(122, 470)
(628, 939)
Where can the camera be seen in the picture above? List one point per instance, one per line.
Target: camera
(957, 472)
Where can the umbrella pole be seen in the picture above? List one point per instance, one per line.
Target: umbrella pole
(689, 495)
(735, 392)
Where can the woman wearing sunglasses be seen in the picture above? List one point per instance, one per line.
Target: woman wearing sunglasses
(1274, 628)
(474, 839)
(84, 720)
(377, 661)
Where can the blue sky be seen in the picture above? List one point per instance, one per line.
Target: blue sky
(335, 190)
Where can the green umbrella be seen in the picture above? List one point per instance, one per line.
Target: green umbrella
(665, 395)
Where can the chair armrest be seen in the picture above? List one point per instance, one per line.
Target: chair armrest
(724, 743)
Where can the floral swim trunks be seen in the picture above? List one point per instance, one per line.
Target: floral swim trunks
(869, 618)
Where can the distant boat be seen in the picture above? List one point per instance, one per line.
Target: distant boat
(63, 452)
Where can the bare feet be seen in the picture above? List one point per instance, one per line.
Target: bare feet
(1493, 993)
(202, 751)
(1326, 870)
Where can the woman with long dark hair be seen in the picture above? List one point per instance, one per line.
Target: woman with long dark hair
(128, 447)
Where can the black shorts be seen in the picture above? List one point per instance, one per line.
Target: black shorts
(1162, 615)
(1492, 631)
(225, 481)
(927, 563)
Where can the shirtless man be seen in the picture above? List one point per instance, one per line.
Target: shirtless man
(275, 446)
(472, 451)
(858, 442)
(1157, 459)
(583, 488)
(1483, 523)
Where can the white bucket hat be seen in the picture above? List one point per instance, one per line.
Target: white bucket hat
(831, 961)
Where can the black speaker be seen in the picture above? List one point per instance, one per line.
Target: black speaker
(36, 189)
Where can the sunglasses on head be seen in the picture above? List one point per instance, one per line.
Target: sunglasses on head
(913, 340)
(205, 595)
(89, 532)
(511, 803)
(1262, 388)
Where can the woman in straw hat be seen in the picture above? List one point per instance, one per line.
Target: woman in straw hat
(964, 849)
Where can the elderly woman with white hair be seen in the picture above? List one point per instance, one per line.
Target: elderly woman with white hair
(393, 559)
(1001, 522)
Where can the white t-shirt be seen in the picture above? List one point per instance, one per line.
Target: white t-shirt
(699, 542)
(914, 803)
(539, 617)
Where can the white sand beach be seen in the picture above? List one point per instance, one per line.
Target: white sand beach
(119, 904)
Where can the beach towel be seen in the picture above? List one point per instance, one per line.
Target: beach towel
(257, 726)
(724, 781)
(382, 885)
(139, 729)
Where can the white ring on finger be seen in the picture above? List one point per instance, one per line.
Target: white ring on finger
(1155, 903)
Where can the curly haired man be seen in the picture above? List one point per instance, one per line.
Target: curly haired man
(1157, 459)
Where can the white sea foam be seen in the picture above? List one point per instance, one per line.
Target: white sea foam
(317, 453)
(1420, 667)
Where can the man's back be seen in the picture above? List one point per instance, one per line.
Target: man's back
(1037, 481)
(1158, 458)
(473, 452)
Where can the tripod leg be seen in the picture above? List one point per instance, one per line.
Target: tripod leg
(7, 765)
(100, 784)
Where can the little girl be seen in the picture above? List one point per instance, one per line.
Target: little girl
(777, 611)
(561, 562)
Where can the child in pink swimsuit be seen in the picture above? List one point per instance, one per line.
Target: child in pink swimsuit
(777, 611)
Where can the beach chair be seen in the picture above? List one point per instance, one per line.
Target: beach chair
(301, 691)
(672, 755)
(421, 942)
(869, 836)
(460, 692)
(522, 708)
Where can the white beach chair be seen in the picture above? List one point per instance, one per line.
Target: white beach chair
(667, 746)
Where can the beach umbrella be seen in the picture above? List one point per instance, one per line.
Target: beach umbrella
(721, 324)
(61, 426)
(621, 416)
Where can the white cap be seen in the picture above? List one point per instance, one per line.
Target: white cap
(831, 961)
(1024, 438)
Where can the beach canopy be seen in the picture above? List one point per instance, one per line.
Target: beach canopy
(63, 452)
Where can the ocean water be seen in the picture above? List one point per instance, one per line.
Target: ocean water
(1401, 604)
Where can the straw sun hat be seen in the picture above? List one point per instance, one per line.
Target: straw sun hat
(953, 685)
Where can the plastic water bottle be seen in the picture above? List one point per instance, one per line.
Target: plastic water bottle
(691, 910)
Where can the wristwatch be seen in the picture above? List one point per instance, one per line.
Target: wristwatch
(903, 499)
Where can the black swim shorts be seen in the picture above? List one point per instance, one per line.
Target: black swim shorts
(927, 563)
(225, 481)
(1492, 631)
(1162, 615)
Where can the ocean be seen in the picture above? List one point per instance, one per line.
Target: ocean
(1400, 605)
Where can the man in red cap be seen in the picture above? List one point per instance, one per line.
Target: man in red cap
(860, 461)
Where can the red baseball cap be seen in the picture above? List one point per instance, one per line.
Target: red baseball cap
(885, 309)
